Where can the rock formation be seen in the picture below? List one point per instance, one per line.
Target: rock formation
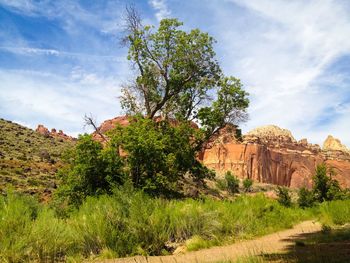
(267, 154)
(53, 133)
(270, 154)
(110, 124)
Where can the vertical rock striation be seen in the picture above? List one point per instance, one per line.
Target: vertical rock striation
(270, 154)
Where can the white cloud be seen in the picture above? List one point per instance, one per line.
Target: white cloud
(282, 51)
(105, 17)
(161, 9)
(30, 50)
(23, 50)
(34, 97)
(23, 5)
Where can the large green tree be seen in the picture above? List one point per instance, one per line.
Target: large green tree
(178, 81)
(179, 77)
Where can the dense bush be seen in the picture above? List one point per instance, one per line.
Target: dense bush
(247, 184)
(90, 170)
(305, 198)
(284, 197)
(153, 155)
(325, 188)
(159, 154)
(232, 182)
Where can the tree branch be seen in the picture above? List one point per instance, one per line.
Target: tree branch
(89, 121)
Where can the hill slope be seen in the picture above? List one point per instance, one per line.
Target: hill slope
(29, 160)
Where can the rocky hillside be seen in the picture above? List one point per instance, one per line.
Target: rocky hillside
(28, 159)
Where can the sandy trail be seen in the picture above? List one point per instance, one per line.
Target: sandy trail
(273, 243)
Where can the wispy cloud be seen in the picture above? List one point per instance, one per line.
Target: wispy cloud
(161, 9)
(104, 16)
(283, 61)
(26, 6)
(56, 101)
(53, 52)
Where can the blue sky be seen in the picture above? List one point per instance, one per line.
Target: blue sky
(61, 59)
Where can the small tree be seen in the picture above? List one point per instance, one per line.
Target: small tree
(284, 197)
(247, 184)
(232, 182)
(325, 188)
(334, 191)
(90, 170)
(305, 198)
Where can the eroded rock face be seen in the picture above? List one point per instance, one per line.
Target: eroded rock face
(271, 155)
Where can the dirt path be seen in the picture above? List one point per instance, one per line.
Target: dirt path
(273, 243)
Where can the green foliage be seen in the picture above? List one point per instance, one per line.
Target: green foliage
(130, 222)
(50, 238)
(247, 184)
(284, 197)
(325, 188)
(91, 170)
(228, 108)
(335, 212)
(221, 184)
(16, 213)
(305, 198)
(232, 182)
(177, 70)
(159, 154)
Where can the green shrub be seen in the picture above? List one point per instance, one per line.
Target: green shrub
(305, 198)
(232, 182)
(221, 184)
(335, 212)
(284, 197)
(247, 184)
(91, 170)
(325, 188)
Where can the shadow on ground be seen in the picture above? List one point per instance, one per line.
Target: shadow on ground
(327, 246)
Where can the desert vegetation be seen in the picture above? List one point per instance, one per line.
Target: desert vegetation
(130, 222)
(125, 195)
(28, 160)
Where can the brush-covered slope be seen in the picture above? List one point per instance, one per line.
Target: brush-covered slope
(29, 160)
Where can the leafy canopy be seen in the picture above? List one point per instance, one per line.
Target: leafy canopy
(178, 77)
(158, 154)
(178, 81)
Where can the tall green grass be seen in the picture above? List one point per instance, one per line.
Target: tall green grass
(129, 223)
(335, 212)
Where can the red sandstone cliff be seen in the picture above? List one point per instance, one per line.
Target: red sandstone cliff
(271, 155)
